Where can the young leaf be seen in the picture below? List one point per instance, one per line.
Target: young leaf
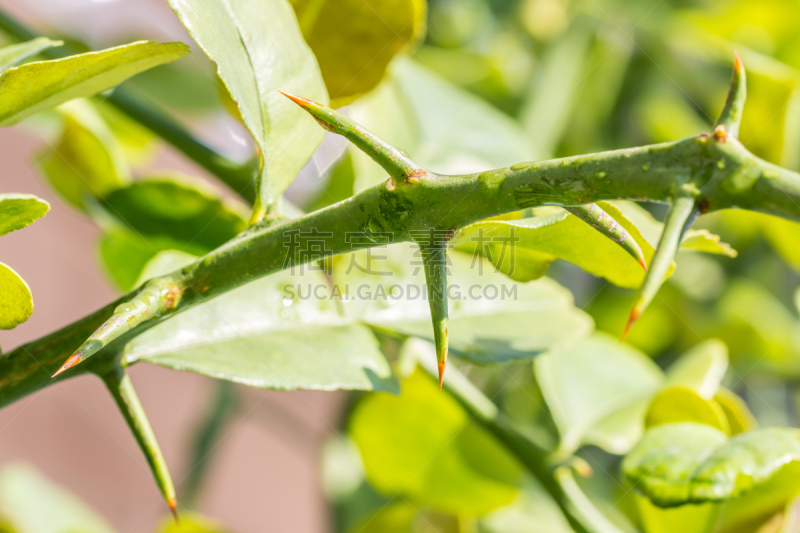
(16, 302)
(270, 334)
(121, 388)
(423, 445)
(31, 503)
(681, 404)
(17, 53)
(20, 210)
(44, 84)
(258, 47)
(701, 368)
(87, 158)
(738, 415)
(682, 463)
(382, 29)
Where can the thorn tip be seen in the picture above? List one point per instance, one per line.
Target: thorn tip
(643, 263)
(441, 373)
(634, 316)
(172, 503)
(69, 363)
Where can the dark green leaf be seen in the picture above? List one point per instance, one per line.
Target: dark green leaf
(258, 48)
(44, 84)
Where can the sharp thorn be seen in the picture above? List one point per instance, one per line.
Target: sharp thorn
(302, 102)
(172, 503)
(737, 62)
(72, 361)
(643, 263)
(442, 364)
(634, 316)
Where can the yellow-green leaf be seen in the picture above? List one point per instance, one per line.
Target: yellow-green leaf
(680, 404)
(44, 84)
(16, 302)
(16, 53)
(20, 210)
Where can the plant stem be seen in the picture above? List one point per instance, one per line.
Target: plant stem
(238, 177)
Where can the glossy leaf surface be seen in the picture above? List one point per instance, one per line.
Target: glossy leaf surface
(491, 319)
(16, 301)
(270, 334)
(44, 84)
(20, 210)
(16, 53)
(681, 463)
(424, 445)
(382, 29)
(258, 48)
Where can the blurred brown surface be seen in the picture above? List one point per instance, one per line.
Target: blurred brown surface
(264, 476)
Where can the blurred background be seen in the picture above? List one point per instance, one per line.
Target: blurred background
(525, 80)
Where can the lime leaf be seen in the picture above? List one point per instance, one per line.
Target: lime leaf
(30, 503)
(676, 464)
(177, 207)
(16, 302)
(705, 241)
(739, 417)
(592, 380)
(44, 84)
(382, 29)
(190, 523)
(491, 319)
(20, 210)
(16, 53)
(679, 404)
(125, 254)
(423, 445)
(163, 263)
(701, 368)
(270, 334)
(87, 158)
(258, 48)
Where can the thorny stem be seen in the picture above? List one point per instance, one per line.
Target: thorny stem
(434, 258)
(594, 215)
(240, 178)
(121, 388)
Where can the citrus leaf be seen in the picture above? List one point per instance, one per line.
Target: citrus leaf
(680, 404)
(87, 158)
(126, 254)
(258, 48)
(382, 29)
(423, 445)
(30, 503)
(16, 302)
(491, 319)
(676, 464)
(701, 368)
(739, 417)
(269, 334)
(16, 53)
(591, 380)
(20, 210)
(44, 84)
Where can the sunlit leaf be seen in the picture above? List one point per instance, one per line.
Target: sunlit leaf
(681, 463)
(30, 503)
(680, 404)
(424, 445)
(20, 210)
(16, 53)
(738, 415)
(258, 48)
(382, 29)
(16, 302)
(125, 254)
(701, 368)
(190, 523)
(270, 334)
(40, 85)
(592, 380)
(491, 318)
(163, 263)
(87, 158)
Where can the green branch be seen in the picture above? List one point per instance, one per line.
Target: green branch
(238, 177)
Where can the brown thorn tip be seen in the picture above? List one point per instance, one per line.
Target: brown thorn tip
(635, 314)
(72, 361)
(737, 62)
(302, 102)
(172, 503)
(643, 263)
(441, 374)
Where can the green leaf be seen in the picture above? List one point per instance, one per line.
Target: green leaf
(30, 503)
(382, 29)
(592, 380)
(17, 53)
(16, 302)
(423, 445)
(177, 207)
(190, 523)
(44, 84)
(705, 241)
(491, 319)
(680, 404)
(701, 368)
(87, 158)
(738, 415)
(126, 254)
(682, 463)
(269, 334)
(541, 240)
(685, 519)
(258, 48)
(20, 210)
(163, 263)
